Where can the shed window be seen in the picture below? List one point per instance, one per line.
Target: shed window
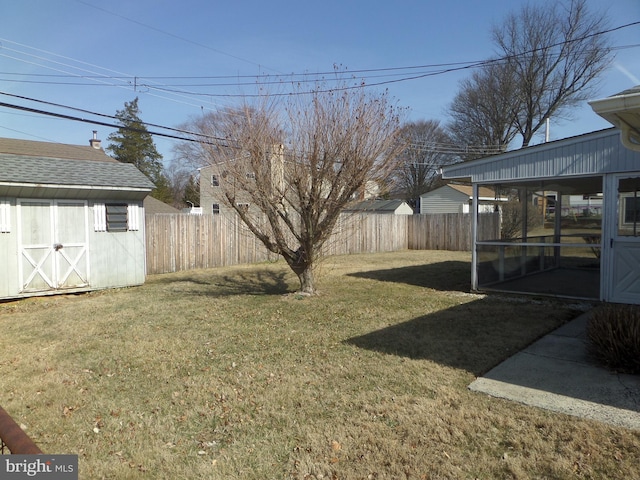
(116, 217)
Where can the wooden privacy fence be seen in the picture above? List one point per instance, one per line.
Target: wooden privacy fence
(450, 231)
(177, 242)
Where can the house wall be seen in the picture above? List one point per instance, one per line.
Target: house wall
(210, 194)
(404, 209)
(443, 200)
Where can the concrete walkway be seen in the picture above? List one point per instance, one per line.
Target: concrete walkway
(555, 373)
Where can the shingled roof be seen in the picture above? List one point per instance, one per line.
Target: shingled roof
(28, 167)
(53, 150)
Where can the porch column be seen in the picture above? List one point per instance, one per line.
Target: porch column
(474, 236)
(557, 227)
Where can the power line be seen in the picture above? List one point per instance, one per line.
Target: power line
(164, 32)
(206, 139)
(402, 72)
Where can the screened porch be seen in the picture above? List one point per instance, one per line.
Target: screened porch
(550, 239)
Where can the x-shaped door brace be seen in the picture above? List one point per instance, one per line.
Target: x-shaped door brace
(73, 266)
(37, 267)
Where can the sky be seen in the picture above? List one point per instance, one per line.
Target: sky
(95, 56)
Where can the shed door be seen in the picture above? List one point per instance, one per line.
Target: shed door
(52, 245)
(625, 244)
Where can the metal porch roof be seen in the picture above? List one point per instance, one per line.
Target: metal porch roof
(591, 154)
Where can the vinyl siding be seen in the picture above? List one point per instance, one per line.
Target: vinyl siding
(590, 154)
(443, 200)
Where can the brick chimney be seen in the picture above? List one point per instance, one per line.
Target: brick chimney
(94, 142)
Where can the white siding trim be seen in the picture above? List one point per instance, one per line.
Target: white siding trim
(5, 216)
(99, 217)
(133, 217)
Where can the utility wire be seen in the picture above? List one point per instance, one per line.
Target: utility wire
(442, 68)
(164, 32)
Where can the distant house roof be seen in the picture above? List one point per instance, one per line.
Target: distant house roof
(153, 205)
(53, 150)
(483, 192)
(377, 206)
(29, 168)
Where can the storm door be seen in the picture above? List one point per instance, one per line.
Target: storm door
(53, 251)
(625, 243)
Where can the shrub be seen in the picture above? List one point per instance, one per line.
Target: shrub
(613, 334)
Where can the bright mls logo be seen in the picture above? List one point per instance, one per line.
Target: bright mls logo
(50, 467)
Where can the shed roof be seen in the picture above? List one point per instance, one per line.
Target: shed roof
(591, 154)
(31, 174)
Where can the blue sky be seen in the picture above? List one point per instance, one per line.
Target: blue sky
(121, 43)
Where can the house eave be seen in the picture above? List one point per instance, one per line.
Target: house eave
(622, 111)
(40, 190)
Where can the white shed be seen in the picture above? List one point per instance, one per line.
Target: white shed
(394, 207)
(454, 198)
(71, 219)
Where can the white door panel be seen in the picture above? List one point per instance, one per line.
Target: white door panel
(52, 237)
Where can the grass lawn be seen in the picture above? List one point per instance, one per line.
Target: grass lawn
(219, 374)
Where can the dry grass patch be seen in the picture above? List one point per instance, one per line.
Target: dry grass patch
(224, 374)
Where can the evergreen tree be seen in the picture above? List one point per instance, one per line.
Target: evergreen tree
(192, 191)
(132, 143)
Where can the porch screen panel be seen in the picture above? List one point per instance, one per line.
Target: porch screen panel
(629, 207)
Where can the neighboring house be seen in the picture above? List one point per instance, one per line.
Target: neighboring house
(594, 258)
(453, 198)
(392, 207)
(212, 189)
(211, 192)
(71, 219)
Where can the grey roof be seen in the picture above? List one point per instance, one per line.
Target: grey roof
(58, 171)
(375, 206)
(32, 148)
(153, 206)
(43, 169)
(590, 154)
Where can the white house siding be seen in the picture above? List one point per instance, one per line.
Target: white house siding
(404, 209)
(117, 259)
(444, 200)
(8, 243)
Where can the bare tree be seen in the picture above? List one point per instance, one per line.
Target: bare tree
(427, 148)
(288, 165)
(482, 115)
(554, 54)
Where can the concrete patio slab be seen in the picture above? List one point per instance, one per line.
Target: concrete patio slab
(557, 374)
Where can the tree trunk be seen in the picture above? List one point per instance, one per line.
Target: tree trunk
(307, 281)
(302, 266)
